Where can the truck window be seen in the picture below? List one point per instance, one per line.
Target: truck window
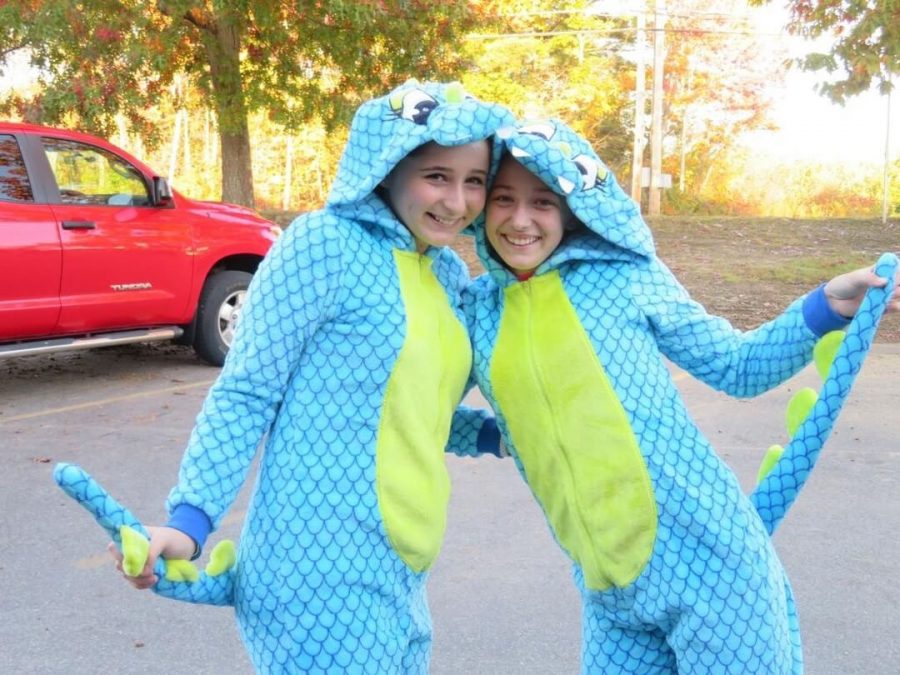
(14, 184)
(86, 174)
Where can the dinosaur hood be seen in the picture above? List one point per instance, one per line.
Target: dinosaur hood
(566, 163)
(387, 129)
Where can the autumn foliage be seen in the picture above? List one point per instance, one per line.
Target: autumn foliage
(248, 100)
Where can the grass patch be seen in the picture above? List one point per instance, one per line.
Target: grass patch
(805, 270)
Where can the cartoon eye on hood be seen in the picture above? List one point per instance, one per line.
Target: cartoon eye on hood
(544, 130)
(413, 105)
(593, 173)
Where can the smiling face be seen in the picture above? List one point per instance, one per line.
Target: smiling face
(525, 219)
(436, 191)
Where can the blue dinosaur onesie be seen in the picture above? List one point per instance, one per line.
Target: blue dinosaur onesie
(350, 358)
(676, 568)
(355, 376)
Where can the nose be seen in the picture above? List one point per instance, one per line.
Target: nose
(519, 218)
(455, 198)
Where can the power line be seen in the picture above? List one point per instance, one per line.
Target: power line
(644, 12)
(618, 31)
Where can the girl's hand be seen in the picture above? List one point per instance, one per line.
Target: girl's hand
(845, 291)
(164, 541)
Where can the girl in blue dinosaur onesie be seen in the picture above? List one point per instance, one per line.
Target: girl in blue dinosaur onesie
(570, 325)
(351, 355)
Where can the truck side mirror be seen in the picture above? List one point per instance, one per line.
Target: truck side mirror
(162, 193)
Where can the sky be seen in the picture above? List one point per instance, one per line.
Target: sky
(16, 73)
(814, 128)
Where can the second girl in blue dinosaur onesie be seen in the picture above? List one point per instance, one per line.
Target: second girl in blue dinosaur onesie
(350, 358)
(570, 325)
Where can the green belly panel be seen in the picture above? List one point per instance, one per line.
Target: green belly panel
(425, 386)
(572, 435)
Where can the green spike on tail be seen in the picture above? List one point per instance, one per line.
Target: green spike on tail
(825, 351)
(773, 454)
(222, 558)
(181, 570)
(798, 409)
(135, 550)
(802, 402)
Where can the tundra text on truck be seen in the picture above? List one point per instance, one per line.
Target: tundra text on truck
(96, 249)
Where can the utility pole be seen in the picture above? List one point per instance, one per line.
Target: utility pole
(640, 105)
(659, 55)
(887, 163)
(684, 123)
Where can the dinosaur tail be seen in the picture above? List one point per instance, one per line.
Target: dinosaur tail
(208, 587)
(778, 490)
(108, 513)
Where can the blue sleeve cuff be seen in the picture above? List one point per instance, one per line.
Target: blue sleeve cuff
(488, 442)
(819, 316)
(193, 522)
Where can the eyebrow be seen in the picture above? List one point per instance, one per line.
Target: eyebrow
(440, 167)
(508, 186)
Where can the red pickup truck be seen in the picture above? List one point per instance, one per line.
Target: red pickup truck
(96, 249)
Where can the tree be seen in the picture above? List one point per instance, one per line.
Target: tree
(719, 79)
(549, 58)
(299, 60)
(866, 47)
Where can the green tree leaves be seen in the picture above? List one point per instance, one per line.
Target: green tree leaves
(866, 47)
(301, 60)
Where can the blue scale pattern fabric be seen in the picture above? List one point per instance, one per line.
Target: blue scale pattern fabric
(323, 583)
(711, 596)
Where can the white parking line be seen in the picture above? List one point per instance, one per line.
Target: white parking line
(102, 402)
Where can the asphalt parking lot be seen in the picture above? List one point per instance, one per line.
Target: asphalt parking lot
(500, 594)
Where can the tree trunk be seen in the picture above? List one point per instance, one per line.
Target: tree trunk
(223, 45)
(288, 174)
(237, 171)
(640, 106)
(173, 155)
(710, 165)
(656, 123)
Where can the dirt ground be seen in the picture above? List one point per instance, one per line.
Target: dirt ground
(748, 270)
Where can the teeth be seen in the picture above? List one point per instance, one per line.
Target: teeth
(521, 241)
(442, 221)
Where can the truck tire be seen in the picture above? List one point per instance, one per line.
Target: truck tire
(218, 312)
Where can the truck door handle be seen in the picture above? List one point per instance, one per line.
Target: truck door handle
(78, 225)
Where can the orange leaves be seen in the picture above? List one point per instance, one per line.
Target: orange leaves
(107, 34)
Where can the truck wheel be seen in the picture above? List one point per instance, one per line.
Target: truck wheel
(217, 314)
